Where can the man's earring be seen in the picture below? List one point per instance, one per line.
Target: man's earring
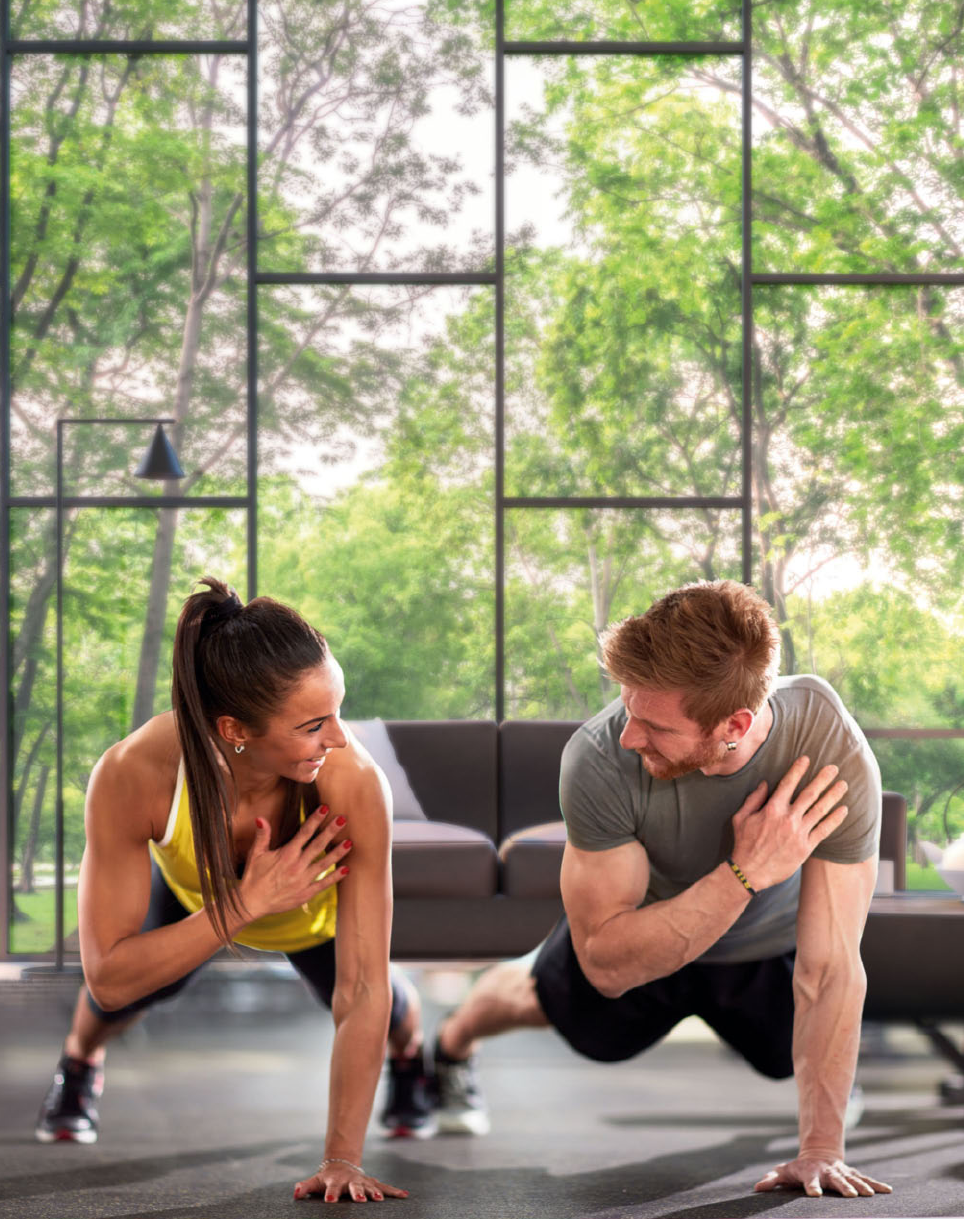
(240, 748)
(730, 746)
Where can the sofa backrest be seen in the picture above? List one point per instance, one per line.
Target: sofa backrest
(451, 766)
(529, 756)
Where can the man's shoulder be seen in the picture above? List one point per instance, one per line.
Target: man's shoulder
(813, 695)
(599, 735)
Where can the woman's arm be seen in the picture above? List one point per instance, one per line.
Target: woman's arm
(125, 804)
(362, 999)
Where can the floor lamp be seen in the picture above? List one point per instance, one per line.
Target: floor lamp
(159, 462)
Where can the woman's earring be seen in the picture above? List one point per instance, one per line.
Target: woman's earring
(240, 748)
(730, 746)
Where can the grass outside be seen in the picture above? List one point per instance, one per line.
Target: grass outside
(924, 876)
(35, 932)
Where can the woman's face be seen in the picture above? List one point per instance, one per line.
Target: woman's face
(299, 735)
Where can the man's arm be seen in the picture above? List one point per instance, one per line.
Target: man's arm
(620, 946)
(828, 989)
(829, 985)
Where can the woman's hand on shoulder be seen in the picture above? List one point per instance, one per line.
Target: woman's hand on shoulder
(353, 784)
(275, 881)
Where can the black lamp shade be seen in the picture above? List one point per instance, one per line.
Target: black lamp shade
(160, 461)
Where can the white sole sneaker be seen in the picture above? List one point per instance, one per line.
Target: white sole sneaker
(65, 1136)
(463, 1121)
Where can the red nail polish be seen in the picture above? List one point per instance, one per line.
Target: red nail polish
(344, 870)
(259, 823)
(340, 821)
(324, 809)
(346, 845)
(297, 1191)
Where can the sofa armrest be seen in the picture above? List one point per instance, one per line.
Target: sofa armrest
(531, 860)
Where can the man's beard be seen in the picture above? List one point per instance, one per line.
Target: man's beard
(706, 754)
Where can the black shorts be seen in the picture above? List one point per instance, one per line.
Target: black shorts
(316, 965)
(750, 1005)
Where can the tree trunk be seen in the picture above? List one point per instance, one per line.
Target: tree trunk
(156, 615)
(29, 853)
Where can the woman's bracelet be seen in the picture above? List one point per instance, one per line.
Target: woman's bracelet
(339, 1160)
(738, 873)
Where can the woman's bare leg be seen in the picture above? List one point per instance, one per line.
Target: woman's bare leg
(89, 1034)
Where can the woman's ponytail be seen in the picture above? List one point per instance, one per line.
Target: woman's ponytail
(238, 660)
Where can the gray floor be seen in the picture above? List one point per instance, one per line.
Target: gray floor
(215, 1107)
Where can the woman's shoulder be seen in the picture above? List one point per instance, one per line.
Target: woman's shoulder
(138, 774)
(351, 774)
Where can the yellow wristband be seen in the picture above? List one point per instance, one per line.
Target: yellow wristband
(738, 873)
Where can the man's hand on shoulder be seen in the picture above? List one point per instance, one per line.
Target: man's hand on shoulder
(814, 1173)
(773, 837)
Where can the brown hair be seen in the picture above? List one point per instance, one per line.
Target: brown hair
(238, 660)
(716, 642)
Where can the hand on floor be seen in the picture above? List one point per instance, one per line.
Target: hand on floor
(337, 1177)
(815, 1175)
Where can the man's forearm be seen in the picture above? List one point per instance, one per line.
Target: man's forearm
(826, 1038)
(638, 946)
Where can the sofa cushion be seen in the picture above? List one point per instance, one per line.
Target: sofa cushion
(373, 734)
(531, 860)
(435, 859)
(529, 755)
(451, 765)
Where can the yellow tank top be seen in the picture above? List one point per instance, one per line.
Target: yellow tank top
(291, 931)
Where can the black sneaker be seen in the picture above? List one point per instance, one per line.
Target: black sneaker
(408, 1111)
(68, 1112)
(458, 1096)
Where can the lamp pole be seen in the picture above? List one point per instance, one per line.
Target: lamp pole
(159, 462)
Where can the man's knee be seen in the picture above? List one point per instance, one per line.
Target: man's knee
(516, 987)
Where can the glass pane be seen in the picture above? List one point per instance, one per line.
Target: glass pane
(128, 262)
(376, 497)
(129, 19)
(929, 774)
(857, 493)
(117, 646)
(376, 137)
(623, 364)
(623, 20)
(569, 574)
(856, 156)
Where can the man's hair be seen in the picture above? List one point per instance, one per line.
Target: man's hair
(715, 642)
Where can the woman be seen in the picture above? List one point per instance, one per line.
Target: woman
(247, 814)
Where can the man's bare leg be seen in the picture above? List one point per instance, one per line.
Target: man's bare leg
(503, 998)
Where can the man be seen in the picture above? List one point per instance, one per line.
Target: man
(710, 870)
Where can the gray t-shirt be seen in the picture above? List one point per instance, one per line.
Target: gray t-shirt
(609, 798)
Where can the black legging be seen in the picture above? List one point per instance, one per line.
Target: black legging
(316, 965)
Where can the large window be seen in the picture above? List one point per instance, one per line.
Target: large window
(480, 327)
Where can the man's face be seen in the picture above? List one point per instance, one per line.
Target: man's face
(669, 743)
